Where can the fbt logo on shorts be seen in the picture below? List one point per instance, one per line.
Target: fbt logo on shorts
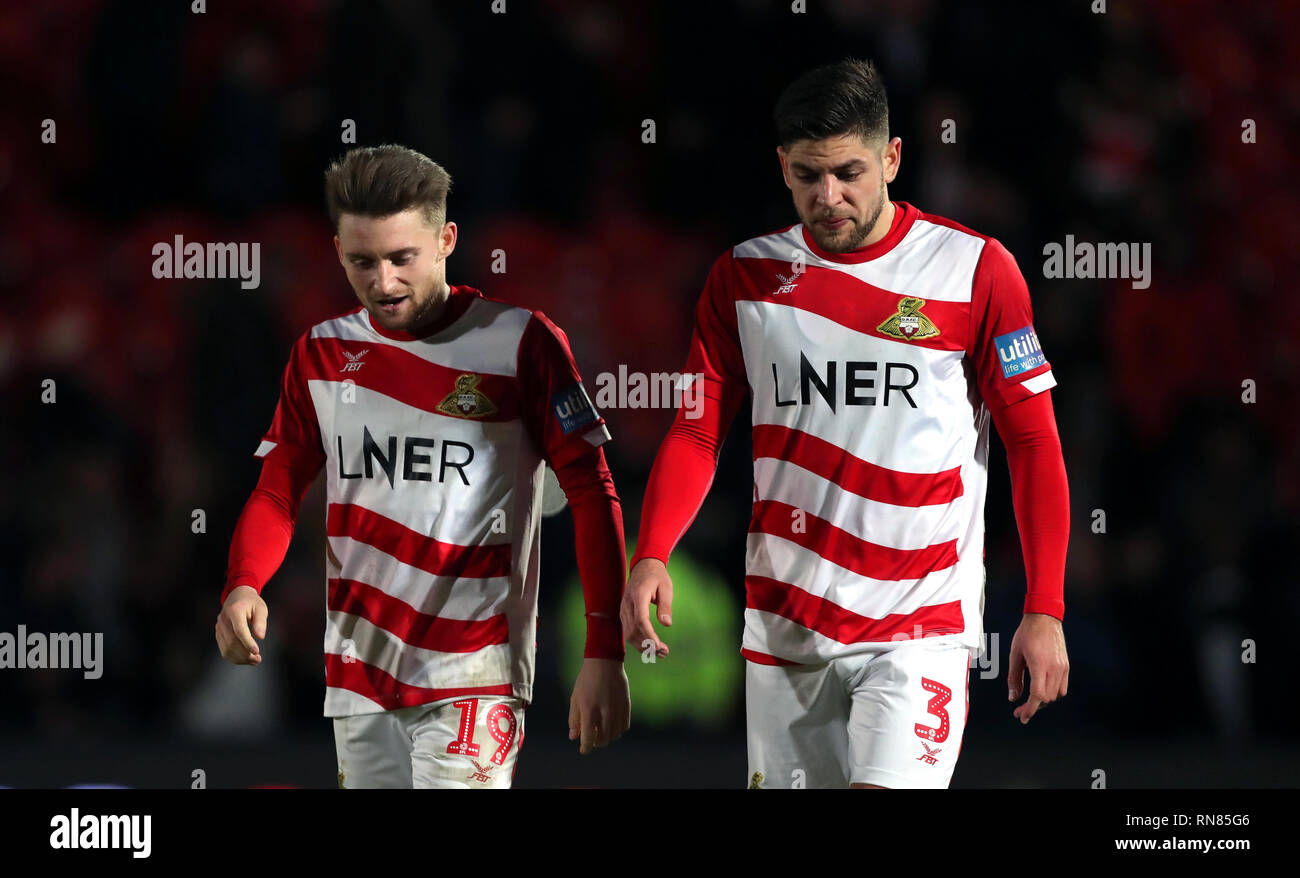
(1019, 351)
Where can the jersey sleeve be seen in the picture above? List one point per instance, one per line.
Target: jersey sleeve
(554, 405)
(688, 458)
(1009, 362)
(294, 437)
(1040, 493)
(715, 355)
(601, 548)
(265, 527)
(292, 454)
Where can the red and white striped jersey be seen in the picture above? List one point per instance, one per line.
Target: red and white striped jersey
(869, 373)
(434, 451)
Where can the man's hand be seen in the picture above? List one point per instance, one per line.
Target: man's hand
(244, 606)
(600, 709)
(648, 584)
(1040, 643)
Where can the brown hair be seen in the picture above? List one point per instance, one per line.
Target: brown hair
(379, 181)
(847, 97)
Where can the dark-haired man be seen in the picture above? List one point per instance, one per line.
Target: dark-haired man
(875, 340)
(433, 411)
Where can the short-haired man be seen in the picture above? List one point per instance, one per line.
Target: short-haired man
(875, 340)
(433, 411)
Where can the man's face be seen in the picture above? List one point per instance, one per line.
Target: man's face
(397, 266)
(840, 187)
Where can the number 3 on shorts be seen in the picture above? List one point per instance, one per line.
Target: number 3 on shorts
(940, 696)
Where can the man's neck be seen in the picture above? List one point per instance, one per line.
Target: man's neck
(884, 223)
(438, 309)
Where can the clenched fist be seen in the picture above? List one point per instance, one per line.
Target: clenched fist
(242, 618)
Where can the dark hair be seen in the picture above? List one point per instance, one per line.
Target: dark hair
(847, 97)
(380, 181)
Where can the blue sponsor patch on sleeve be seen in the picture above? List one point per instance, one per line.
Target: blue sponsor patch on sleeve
(1019, 352)
(573, 408)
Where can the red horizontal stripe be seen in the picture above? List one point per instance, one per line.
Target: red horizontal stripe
(386, 690)
(402, 375)
(854, 474)
(762, 658)
(836, 622)
(414, 548)
(400, 619)
(843, 548)
(850, 301)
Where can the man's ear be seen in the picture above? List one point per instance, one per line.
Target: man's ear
(447, 239)
(785, 167)
(338, 249)
(891, 157)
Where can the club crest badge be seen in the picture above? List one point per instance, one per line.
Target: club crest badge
(909, 323)
(467, 401)
(756, 781)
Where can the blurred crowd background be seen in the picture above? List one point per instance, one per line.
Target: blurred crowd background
(1119, 127)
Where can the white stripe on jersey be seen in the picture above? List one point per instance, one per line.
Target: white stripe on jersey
(451, 512)
(908, 267)
(772, 634)
(778, 558)
(935, 436)
(410, 664)
(597, 436)
(900, 527)
(447, 597)
(495, 328)
(1039, 383)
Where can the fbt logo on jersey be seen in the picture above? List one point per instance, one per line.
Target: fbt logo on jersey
(1019, 351)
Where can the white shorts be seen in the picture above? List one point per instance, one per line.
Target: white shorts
(892, 717)
(458, 743)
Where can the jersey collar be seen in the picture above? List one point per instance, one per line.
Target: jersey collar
(904, 215)
(458, 300)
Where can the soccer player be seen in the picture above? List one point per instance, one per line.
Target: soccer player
(875, 341)
(433, 411)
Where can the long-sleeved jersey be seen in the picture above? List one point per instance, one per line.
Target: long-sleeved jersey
(434, 450)
(872, 374)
